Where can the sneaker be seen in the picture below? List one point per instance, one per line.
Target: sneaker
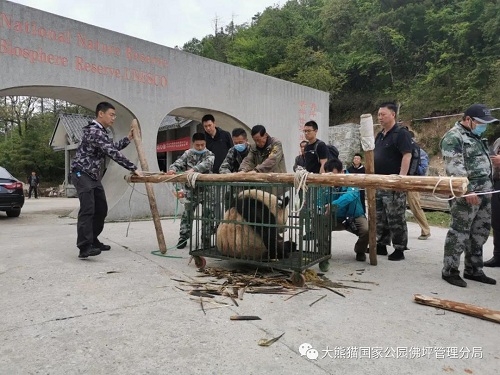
(397, 255)
(90, 252)
(423, 237)
(493, 262)
(482, 278)
(455, 280)
(360, 257)
(182, 243)
(101, 246)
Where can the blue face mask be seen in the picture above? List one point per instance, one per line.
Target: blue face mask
(199, 152)
(480, 129)
(240, 147)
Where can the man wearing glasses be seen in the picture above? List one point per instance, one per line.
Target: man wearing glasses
(316, 151)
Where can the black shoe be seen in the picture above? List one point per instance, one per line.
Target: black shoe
(455, 280)
(90, 252)
(397, 255)
(182, 243)
(381, 249)
(360, 257)
(101, 246)
(493, 262)
(482, 278)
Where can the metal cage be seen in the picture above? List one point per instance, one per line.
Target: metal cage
(260, 223)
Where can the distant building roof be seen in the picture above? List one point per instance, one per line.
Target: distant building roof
(69, 130)
(173, 122)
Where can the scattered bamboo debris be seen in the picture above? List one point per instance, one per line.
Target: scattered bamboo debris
(293, 295)
(460, 307)
(265, 342)
(234, 284)
(319, 299)
(244, 317)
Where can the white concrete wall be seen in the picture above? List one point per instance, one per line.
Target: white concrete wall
(194, 86)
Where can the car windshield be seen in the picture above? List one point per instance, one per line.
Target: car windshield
(5, 175)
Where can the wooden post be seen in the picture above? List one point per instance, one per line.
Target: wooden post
(368, 146)
(149, 188)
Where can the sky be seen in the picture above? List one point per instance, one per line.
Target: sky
(167, 22)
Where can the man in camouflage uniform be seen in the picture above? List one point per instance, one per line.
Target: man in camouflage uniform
(237, 153)
(466, 155)
(86, 177)
(495, 207)
(197, 159)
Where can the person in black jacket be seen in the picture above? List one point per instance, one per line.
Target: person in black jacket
(300, 160)
(33, 182)
(218, 141)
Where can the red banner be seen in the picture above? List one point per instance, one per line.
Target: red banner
(174, 145)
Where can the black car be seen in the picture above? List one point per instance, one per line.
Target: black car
(11, 194)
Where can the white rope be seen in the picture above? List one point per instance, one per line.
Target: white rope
(300, 183)
(191, 179)
(453, 196)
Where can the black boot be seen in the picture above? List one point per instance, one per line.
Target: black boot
(493, 262)
(381, 249)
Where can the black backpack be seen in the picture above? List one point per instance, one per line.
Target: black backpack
(415, 161)
(333, 152)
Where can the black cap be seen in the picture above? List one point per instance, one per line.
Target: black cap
(480, 113)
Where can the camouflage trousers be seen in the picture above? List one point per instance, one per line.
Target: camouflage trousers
(391, 220)
(469, 229)
(208, 203)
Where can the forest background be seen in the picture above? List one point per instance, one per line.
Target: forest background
(433, 57)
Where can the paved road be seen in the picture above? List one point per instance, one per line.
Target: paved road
(122, 312)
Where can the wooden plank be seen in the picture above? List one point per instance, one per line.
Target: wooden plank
(460, 307)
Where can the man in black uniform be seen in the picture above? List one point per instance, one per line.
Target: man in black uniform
(392, 156)
(218, 141)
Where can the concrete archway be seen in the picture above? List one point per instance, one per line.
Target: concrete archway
(42, 54)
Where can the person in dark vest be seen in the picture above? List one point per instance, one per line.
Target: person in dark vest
(33, 182)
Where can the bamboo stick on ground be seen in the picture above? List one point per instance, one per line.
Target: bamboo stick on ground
(460, 307)
(149, 188)
(440, 185)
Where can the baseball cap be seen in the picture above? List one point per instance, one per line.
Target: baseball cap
(480, 113)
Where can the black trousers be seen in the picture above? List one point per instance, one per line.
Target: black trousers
(93, 209)
(495, 219)
(35, 189)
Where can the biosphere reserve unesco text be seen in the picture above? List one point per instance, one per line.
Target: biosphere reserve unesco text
(42, 55)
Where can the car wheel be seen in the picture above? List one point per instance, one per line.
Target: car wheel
(13, 213)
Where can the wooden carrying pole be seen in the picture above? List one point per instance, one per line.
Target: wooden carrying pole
(149, 188)
(368, 145)
(460, 307)
(440, 185)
